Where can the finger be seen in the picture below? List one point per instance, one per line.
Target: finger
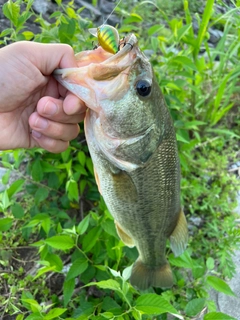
(53, 109)
(52, 129)
(48, 57)
(73, 105)
(49, 144)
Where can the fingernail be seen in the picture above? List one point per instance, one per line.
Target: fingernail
(41, 123)
(50, 108)
(36, 134)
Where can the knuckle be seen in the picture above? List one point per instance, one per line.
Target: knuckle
(56, 146)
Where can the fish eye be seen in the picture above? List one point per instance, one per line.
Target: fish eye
(143, 88)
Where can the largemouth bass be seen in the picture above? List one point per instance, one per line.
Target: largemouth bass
(132, 143)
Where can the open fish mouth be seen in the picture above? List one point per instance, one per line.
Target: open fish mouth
(92, 80)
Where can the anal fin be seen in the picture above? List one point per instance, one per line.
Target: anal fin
(179, 236)
(124, 236)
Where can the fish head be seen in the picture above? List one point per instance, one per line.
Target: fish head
(120, 88)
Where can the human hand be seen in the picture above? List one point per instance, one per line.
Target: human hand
(36, 111)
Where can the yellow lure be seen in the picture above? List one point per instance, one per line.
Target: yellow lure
(108, 37)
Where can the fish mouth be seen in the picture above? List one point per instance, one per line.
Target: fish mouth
(99, 73)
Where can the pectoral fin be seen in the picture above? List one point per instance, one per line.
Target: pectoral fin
(124, 186)
(124, 236)
(179, 237)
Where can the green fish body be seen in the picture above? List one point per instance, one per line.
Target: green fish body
(132, 143)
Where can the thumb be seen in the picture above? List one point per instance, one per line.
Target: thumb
(47, 57)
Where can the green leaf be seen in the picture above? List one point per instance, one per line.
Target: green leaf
(154, 29)
(11, 10)
(37, 171)
(185, 62)
(78, 267)
(218, 316)
(66, 154)
(47, 167)
(183, 261)
(6, 176)
(226, 132)
(28, 35)
(136, 315)
(183, 31)
(89, 165)
(34, 316)
(6, 32)
(44, 270)
(46, 224)
(108, 284)
(182, 139)
(62, 242)
(41, 195)
(29, 4)
(15, 187)
(219, 285)
(81, 158)
(68, 288)
(83, 225)
(34, 305)
(151, 303)
(91, 238)
(107, 315)
(17, 211)
(115, 273)
(204, 24)
(109, 227)
(210, 263)
(71, 13)
(54, 261)
(5, 200)
(54, 313)
(127, 273)
(5, 224)
(195, 306)
(109, 303)
(132, 18)
(66, 30)
(72, 190)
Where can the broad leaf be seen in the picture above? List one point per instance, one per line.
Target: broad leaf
(68, 288)
(218, 316)
(17, 211)
(78, 267)
(54, 313)
(5, 224)
(219, 285)
(62, 242)
(195, 306)
(151, 303)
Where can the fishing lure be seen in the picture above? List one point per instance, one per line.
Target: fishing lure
(108, 37)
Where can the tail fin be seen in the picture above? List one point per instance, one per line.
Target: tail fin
(144, 276)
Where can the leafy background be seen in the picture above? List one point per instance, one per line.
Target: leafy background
(60, 256)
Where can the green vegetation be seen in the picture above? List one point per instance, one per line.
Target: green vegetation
(60, 256)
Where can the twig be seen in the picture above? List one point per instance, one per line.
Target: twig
(22, 261)
(6, 306)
